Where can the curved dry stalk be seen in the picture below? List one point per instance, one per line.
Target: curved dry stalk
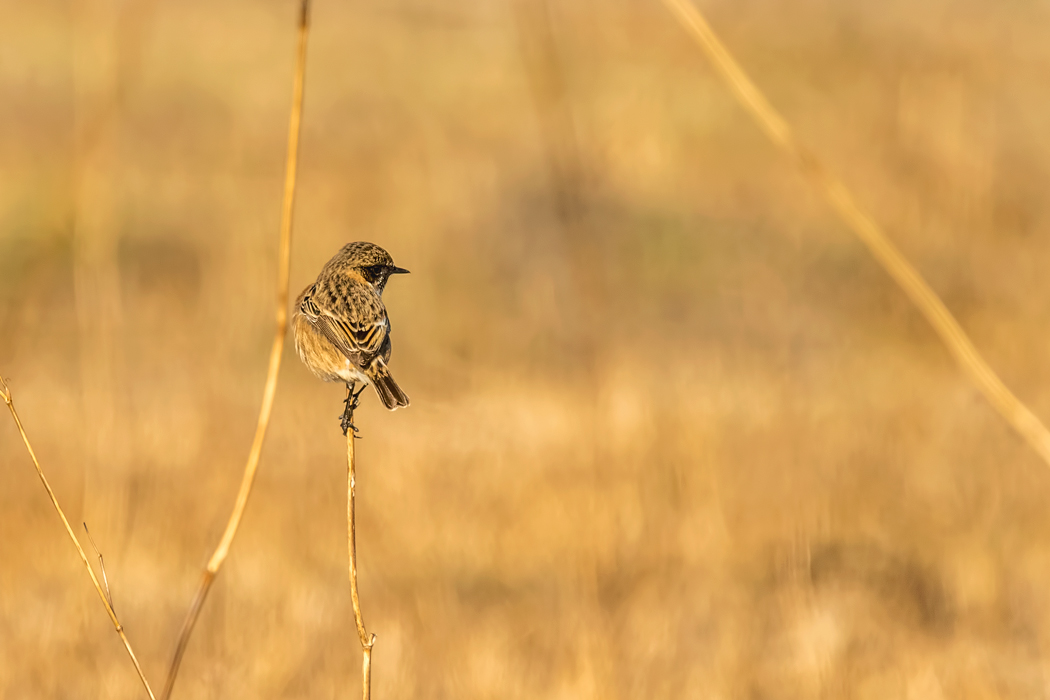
(5, 394)
(888, 256)
(276, 351)
(367, 640)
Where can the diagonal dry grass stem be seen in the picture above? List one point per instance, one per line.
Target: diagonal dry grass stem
(870, 233)
(103, 594)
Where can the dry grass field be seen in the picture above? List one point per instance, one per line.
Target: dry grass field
(673, 433)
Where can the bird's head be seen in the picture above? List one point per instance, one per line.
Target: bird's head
(371, 262)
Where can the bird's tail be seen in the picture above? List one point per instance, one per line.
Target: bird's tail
(389, 392)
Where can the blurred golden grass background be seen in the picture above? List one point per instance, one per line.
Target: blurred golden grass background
(673, 433)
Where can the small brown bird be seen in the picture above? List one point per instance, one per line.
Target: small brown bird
(342, 332)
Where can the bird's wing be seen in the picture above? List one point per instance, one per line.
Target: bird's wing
(359, 336)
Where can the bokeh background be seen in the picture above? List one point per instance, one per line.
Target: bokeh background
(673, 433)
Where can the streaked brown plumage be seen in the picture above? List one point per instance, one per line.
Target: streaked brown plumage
(340, 324)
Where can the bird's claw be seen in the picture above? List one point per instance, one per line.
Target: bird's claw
(346, 422)
(352, 401)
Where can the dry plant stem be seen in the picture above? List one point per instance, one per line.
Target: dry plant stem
(102, 566)
(889, 257)
(5, 393)
(367, 640)
(276, 351)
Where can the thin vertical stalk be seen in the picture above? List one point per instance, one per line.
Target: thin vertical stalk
(367, 640)
(276, 351)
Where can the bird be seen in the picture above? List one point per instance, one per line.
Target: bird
(341, 327)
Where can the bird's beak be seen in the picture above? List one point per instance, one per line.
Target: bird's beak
(398, 270)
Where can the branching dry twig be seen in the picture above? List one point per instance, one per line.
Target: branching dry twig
(276, 351)
(101, 565)
(367, 640)
(885, 252)
(5, 394)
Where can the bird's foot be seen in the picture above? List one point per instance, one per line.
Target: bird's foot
(346, 422)
(352, 401)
